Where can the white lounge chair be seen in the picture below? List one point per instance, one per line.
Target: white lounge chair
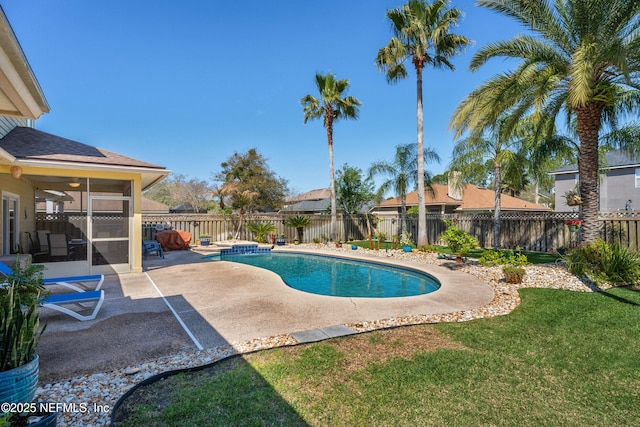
(59, 302)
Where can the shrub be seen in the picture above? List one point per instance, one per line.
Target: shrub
(458, 241)
(513, 274)
(506, 256)
(602, 262)
(261, 229)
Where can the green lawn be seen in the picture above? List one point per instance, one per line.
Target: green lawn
(561, 358)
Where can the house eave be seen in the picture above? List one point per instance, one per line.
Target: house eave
(20, 92)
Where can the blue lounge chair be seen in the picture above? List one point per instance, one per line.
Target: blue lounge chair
(77, 283)
(59, 302)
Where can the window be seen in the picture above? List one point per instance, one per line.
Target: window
(637, 177)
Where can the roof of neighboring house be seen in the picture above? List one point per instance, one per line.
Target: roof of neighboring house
(186, 208)
(308, 206)
(318, 194)
(149, 205)
(615, 159)
(20, 92)
(474, 198)
(31, 147)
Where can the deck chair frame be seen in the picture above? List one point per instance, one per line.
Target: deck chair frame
(79, 299)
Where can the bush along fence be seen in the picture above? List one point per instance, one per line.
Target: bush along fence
(544, 232)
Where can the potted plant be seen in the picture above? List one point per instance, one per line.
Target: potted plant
(280, 240)
(205, 240)
(574, 224)
(299, 222)
(573, 197)
(19, 337)
(405, 241)
(459, 241)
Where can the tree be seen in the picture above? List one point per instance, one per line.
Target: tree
(352, 190)
(331, 107)
(401, 175)
(421, 35)
(177, 190)
(582, 58)
(499, 147)
(250, 184)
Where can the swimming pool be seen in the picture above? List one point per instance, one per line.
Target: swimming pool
(342, 277)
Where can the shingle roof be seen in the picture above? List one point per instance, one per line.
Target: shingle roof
(474, 198)
(31, 144)
(319, 194)
(308, 206)
(615, 159)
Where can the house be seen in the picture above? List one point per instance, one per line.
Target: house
(619, 183)
(312, 202)
(468, 198)
(186, 208)
(38, 167)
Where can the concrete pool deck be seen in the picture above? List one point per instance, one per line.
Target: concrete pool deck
(184, 303)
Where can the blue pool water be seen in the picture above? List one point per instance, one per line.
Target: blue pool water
(326, 275)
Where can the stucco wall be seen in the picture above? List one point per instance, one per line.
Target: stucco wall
(616, 188)
(621, 186)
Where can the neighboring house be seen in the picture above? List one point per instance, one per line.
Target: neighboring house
(39, 167)
(619, 183)
(312, 202)
(468, 199)
(186, 208)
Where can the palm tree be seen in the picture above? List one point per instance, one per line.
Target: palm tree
(581, 58)
(331, 106)
(421, 35)
(495, 145)
(401, 174)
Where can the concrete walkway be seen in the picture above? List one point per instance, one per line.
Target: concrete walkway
(184, 302)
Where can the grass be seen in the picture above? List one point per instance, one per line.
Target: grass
(561, 358)
(533, 257)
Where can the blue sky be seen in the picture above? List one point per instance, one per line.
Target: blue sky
(186, 84)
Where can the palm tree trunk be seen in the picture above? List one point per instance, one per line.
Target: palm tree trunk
(422, 212)
(497, 221)
(403, 215)
(334, 216)
(589, 121)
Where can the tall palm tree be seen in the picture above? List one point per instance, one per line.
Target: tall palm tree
(421, 35)
(401, 174)
(331, 106)
(498, 147)
(582, 57)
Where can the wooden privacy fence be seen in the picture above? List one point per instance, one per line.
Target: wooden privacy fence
(544, 232)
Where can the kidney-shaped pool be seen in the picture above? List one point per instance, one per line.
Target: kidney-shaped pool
(341, 277)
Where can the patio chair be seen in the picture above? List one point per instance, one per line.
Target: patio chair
(58, 246)
(38, 254)
(79, 300)
(150, 246)
(76, 283)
